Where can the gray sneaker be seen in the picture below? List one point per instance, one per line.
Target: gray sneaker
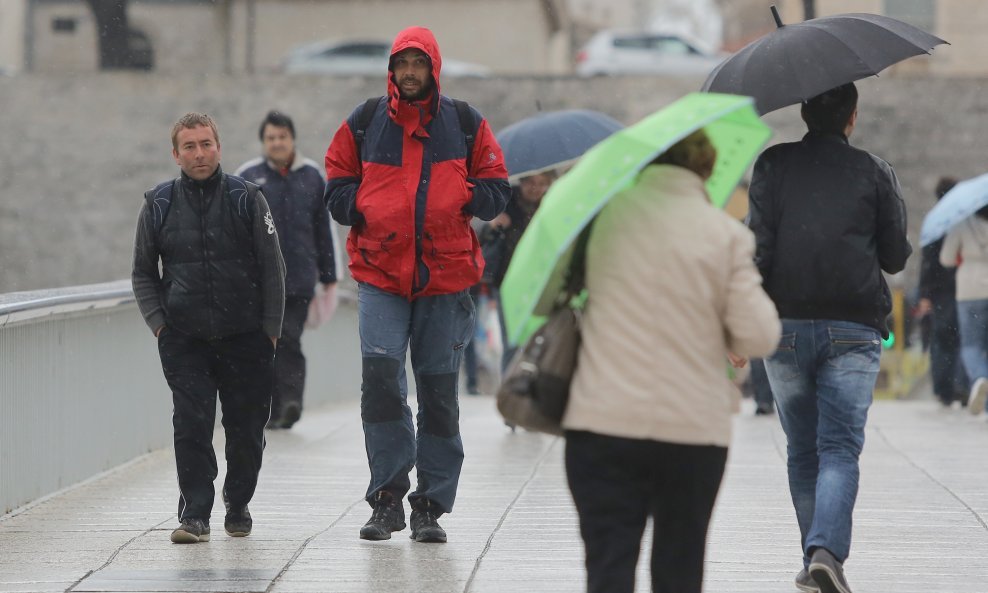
(977, 397)
(804, 582)
(191, 531)
(828, 573)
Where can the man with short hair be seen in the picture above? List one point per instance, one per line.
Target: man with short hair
(216, 310)
(828, 219)
(294, 187)
(407, 172)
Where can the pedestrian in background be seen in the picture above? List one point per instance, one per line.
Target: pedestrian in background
(408, 181)
(937, 292)
(294, 188)
(648, 422)
(501, 236)
(828, 219)
(966, 248)
(216, 309)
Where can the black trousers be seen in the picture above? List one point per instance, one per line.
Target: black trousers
(617, 483)
(289, 363)
(949, 377)
(238, 368)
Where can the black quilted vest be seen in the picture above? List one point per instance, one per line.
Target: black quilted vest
(211, 276)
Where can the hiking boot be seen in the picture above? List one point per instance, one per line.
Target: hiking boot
(191, 531)
(828, 572)
(804, 582)
(238, 522)
(976, 400)
(388, 516)
(425, 523)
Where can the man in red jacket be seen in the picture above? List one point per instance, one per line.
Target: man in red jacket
(407, 172)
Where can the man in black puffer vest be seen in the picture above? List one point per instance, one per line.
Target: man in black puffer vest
(216, 309)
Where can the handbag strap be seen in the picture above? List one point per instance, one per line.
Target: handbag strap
(576, 275)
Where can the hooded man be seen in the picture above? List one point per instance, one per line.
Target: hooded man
(407, 172)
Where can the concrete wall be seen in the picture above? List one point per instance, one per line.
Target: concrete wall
(12, 15)
(78, 152)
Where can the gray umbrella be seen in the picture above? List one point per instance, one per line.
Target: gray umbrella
(553, 139)
(797, 62)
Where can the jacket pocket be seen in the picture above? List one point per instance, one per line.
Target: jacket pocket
(380, 254)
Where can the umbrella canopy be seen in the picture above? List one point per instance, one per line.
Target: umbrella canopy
(962, 201)
(553, 139)
(797, 62)
(574, 199)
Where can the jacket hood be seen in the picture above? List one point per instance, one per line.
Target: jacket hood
(423, 40)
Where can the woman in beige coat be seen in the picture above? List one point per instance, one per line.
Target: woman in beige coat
(672, 291)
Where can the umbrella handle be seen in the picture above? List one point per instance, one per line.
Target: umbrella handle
(778, 19)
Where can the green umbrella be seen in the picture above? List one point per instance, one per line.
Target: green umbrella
(733, 127)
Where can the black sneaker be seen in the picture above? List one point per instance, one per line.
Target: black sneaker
(238, 522)
(804, 582)
(191, 531)
(388, 516)
(425, 523)
(828, 572)
(290, 414)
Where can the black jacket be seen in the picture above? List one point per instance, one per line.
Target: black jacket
(296, 201)
(499, 245)
(936, 282)
(828, 218)
(220, 275)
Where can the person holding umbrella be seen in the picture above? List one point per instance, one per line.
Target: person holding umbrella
(828, 219)
(646, 439)
(966, 248)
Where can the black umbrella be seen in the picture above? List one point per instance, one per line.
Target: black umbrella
(797, 62)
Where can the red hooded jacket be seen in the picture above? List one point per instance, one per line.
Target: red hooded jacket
(409, 195)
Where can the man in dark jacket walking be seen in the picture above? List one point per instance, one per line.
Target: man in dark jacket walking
(294, 188)
(828, 220)
(407, 181)
(216, 310)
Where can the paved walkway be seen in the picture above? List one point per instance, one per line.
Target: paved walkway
(920, 525)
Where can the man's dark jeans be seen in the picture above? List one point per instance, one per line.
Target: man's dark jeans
(289, 364)
(949, 378)
(239, 368)
(618, 483)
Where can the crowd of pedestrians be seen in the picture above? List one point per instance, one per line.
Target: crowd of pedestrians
(226, 268)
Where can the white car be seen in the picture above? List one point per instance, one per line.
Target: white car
(360, 58)
(609, 52)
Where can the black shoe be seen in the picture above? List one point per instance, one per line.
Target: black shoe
(238, 522)
(804, 582)
(828, 572)
(290, 414)
(472, 390)
(388, 516)
(191, 531)
(764, 410)
(425, 523)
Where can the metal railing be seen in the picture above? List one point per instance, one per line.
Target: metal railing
(82, 391)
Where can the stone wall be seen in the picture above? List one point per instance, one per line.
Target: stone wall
(78, 152)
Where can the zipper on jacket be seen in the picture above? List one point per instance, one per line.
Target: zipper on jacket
(205, 258)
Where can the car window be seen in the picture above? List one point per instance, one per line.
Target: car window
(357, 50)
(631, 42)
(671, 45)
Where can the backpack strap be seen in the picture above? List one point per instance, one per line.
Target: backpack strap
(159, 200)
(467, 125)
(239, 191)
(364, 118)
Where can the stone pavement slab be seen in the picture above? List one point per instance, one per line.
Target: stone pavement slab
(920, 524)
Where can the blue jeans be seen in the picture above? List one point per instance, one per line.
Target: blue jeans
(436, 329)
(823, 376)
(973, 319)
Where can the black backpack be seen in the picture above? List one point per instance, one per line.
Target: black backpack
(467, 124)
(239, 191)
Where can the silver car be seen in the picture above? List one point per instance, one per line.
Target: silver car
(360, 58)
(609, 52)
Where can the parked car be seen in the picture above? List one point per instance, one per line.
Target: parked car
(360, 58)
(610, 52)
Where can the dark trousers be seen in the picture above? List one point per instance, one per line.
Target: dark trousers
(239, 368)
(760, 385)
(289, 363)
(618, 483)
(949, 378)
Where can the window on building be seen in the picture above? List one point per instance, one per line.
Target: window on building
(63, 25)
(919, 13)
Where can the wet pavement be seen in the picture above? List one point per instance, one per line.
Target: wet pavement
(920, 523)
